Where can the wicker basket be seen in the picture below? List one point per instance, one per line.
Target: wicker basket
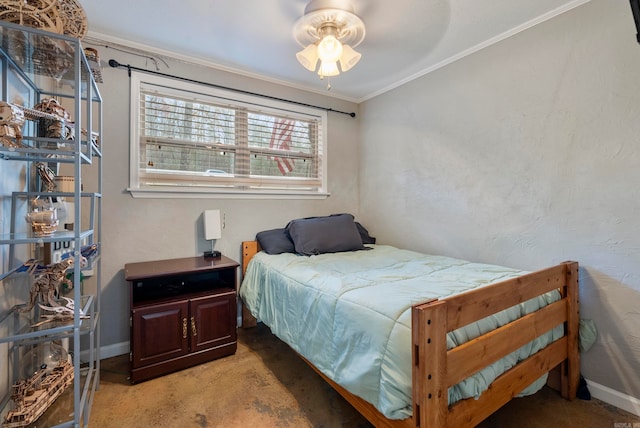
(57, 16)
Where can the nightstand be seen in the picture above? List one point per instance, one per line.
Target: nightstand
(183, 313)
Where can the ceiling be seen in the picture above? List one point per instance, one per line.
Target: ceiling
(404, 38)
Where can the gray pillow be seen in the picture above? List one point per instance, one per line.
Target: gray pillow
(330, 234)
(275, 241)
(364, 234)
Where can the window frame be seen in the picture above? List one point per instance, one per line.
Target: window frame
(237, 100)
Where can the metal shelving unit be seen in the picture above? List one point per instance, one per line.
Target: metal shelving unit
(54, 66)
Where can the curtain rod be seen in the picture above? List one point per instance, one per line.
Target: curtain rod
(115, 64)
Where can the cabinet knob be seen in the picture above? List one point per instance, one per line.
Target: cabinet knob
(194, 332)
(184, 328)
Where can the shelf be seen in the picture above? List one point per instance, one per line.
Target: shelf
(34, 66)
(20, 325)
(66, 151)
(59, 194)
(25, 238)
(31, 154)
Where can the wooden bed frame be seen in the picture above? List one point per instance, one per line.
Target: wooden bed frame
(435, 368)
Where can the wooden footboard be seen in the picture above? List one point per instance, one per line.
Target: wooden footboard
(435, 368)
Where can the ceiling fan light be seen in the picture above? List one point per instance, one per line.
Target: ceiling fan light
(349, 58)
(333, 28)
(308, 57)
(330, 49)
(328, 69)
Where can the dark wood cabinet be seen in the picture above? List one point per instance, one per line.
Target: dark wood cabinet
(183, 313)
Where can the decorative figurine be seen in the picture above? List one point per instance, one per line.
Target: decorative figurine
(28, 266)
(47, 176)
(94, 63)
(88, 251)
(48, 280)
(43, 223)
(11, 121)
(33, 396)
(47, 284)
(95, 137)
(60, 313)
(63, 127)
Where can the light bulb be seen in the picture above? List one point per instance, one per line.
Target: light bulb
(328, 68)
(329, 49)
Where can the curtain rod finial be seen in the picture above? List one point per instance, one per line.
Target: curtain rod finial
(113, 63)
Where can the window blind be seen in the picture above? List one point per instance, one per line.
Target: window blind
(194, 139)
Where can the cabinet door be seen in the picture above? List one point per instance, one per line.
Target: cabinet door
(213, 321)
(159, 333)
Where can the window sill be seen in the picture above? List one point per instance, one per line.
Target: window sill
(188, 193)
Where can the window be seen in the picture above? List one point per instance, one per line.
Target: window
(194, 139)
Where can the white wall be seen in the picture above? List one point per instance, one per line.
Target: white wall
(153, 229)
(525, 154)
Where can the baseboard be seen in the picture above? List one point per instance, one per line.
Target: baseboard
(615, 398)
(108, 351)
(114, 350)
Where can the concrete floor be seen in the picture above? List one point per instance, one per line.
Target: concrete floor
(265, 384)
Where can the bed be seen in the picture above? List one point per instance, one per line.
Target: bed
(434, 344)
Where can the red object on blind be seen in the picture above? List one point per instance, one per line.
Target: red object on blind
(281, 140)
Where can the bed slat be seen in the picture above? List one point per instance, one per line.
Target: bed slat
(476, 304)
(470, 357)
(471, 412)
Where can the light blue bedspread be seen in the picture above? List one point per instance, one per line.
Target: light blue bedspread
(350, 315)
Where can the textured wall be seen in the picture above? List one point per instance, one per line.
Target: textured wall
(525, 154)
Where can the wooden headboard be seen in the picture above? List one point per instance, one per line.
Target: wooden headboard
(249, 249)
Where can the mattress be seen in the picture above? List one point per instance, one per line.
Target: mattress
(350, 315)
